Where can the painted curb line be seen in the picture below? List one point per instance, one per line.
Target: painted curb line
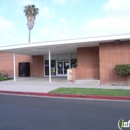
(66, 95)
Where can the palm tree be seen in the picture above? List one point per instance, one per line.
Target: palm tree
(30, 12)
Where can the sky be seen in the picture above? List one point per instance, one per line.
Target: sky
(63, 19)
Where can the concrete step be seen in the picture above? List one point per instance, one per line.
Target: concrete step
(92, 82)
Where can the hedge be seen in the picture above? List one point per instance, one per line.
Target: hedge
(123, 69)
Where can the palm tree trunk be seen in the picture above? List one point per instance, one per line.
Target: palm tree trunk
(29, 35)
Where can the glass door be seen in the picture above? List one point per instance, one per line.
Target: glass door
(62, 67)
(66, 66)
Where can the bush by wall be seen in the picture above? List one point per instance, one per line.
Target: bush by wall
(123, 69)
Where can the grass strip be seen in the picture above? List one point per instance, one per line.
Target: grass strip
(5, 78)
(92, 91)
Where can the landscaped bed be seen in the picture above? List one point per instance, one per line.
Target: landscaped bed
(92, 91)
(5, 78)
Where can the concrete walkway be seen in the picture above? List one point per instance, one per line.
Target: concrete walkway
(42, 85)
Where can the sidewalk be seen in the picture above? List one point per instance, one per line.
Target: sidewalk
(40, 87)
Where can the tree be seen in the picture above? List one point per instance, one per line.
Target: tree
(30, 12)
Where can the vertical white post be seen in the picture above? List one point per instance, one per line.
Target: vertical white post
(56, 66)
(69, 60)
(14, 68)
(49, 66)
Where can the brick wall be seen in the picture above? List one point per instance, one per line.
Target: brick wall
(73, 75)
(112, 54)
(6, 62)
(38, 66)
(36, 63)
(24, 58)
(88, 63)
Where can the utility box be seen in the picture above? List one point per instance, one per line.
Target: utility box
(24, 69)
(69, 74)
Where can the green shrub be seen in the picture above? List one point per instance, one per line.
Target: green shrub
(123, 69)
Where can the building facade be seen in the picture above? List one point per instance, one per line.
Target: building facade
(87, 62)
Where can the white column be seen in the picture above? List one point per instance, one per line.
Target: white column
(56, 66)
(14, 68)
(49, 66)
(69, 61)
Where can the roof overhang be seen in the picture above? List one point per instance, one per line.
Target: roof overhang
(61, 46)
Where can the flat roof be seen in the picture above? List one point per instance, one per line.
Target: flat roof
(61, 46)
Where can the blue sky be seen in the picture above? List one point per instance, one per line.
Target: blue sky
(63, 19)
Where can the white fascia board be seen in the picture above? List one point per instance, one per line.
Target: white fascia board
(68, 41)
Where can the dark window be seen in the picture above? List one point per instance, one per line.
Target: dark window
(73, 63)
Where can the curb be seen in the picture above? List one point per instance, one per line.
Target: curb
(66, 95)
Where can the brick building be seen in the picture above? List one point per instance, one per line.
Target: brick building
(89, 58)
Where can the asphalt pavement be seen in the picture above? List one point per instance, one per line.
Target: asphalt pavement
(40, 113)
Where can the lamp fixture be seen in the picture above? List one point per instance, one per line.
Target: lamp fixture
(117, 41)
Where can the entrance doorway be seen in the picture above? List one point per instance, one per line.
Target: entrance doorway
(62, 67)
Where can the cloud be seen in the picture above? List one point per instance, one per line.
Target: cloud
(60, 1)
(23, 3)
(108, 25)
(7, 31)
(117, 5)
(46, 12)
(28, 2)
(62, 29)
(54, 31)
(5, 24)
(64, 1)
(115, 22)
(62, 20)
